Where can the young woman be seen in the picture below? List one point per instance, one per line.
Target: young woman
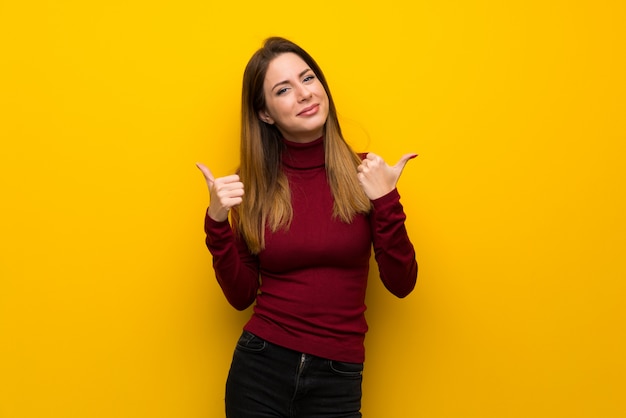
(305, 213)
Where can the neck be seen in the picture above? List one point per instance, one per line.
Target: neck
(305, 155)
(305, 137)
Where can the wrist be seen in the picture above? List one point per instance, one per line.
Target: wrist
(218, 215)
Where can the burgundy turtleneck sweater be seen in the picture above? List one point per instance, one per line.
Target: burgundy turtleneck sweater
(309, 282)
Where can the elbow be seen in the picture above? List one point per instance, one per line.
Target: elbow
(240, 302)
(407, 285)
(240, 306)
(405, 291)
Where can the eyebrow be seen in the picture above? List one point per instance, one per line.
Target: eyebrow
(286, 81)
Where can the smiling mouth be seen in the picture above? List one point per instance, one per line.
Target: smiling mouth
(309, 110)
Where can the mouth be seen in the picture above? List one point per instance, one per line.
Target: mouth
(309, 111)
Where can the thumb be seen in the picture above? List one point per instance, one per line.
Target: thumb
(403, 160)
(208, 175)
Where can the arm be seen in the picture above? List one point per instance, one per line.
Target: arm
(393, 250)
(236, 269)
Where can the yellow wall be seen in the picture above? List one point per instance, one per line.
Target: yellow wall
(108, 303)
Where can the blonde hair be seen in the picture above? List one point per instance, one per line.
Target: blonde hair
(268, 199)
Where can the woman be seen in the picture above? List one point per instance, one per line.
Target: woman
(300, 243)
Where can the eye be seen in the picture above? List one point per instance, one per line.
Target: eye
(281, 91)
(308, 78)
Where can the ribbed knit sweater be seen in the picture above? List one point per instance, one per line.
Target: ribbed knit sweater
(309, 282)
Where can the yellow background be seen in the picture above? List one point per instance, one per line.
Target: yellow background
(108, 302)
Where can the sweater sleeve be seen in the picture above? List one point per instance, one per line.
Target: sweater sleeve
(236, 269)
(393, 250)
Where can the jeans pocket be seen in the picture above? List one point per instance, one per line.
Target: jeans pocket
(343, 368)
(251, 343)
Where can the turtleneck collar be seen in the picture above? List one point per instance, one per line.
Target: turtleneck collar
(304, 156)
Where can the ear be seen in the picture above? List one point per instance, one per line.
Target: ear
(265, 117)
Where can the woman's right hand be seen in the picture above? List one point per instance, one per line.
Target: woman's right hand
(225, 193)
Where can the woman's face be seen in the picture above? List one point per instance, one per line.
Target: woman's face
(295, 99)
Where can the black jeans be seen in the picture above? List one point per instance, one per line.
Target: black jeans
(266, 380)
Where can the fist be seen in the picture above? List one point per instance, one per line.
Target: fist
(377, 178)
(225, 193)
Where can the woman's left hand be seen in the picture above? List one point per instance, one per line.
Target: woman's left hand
(378, 178)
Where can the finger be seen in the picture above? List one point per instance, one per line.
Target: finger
(403, 160)
(208, 175)
(228, 180)
(228, 189)
(371, 156)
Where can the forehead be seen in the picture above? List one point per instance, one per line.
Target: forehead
(284, 67)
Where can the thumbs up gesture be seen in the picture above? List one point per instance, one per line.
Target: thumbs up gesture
(225, 193)
(378, 178)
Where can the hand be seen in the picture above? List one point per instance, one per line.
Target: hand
(377, 178)
(225, 193)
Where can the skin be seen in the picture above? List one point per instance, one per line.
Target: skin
(297, 104)
(295, 100)
(378, 178)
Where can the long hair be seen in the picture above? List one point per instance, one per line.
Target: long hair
(268, 199)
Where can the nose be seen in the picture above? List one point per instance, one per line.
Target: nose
(304, 93)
